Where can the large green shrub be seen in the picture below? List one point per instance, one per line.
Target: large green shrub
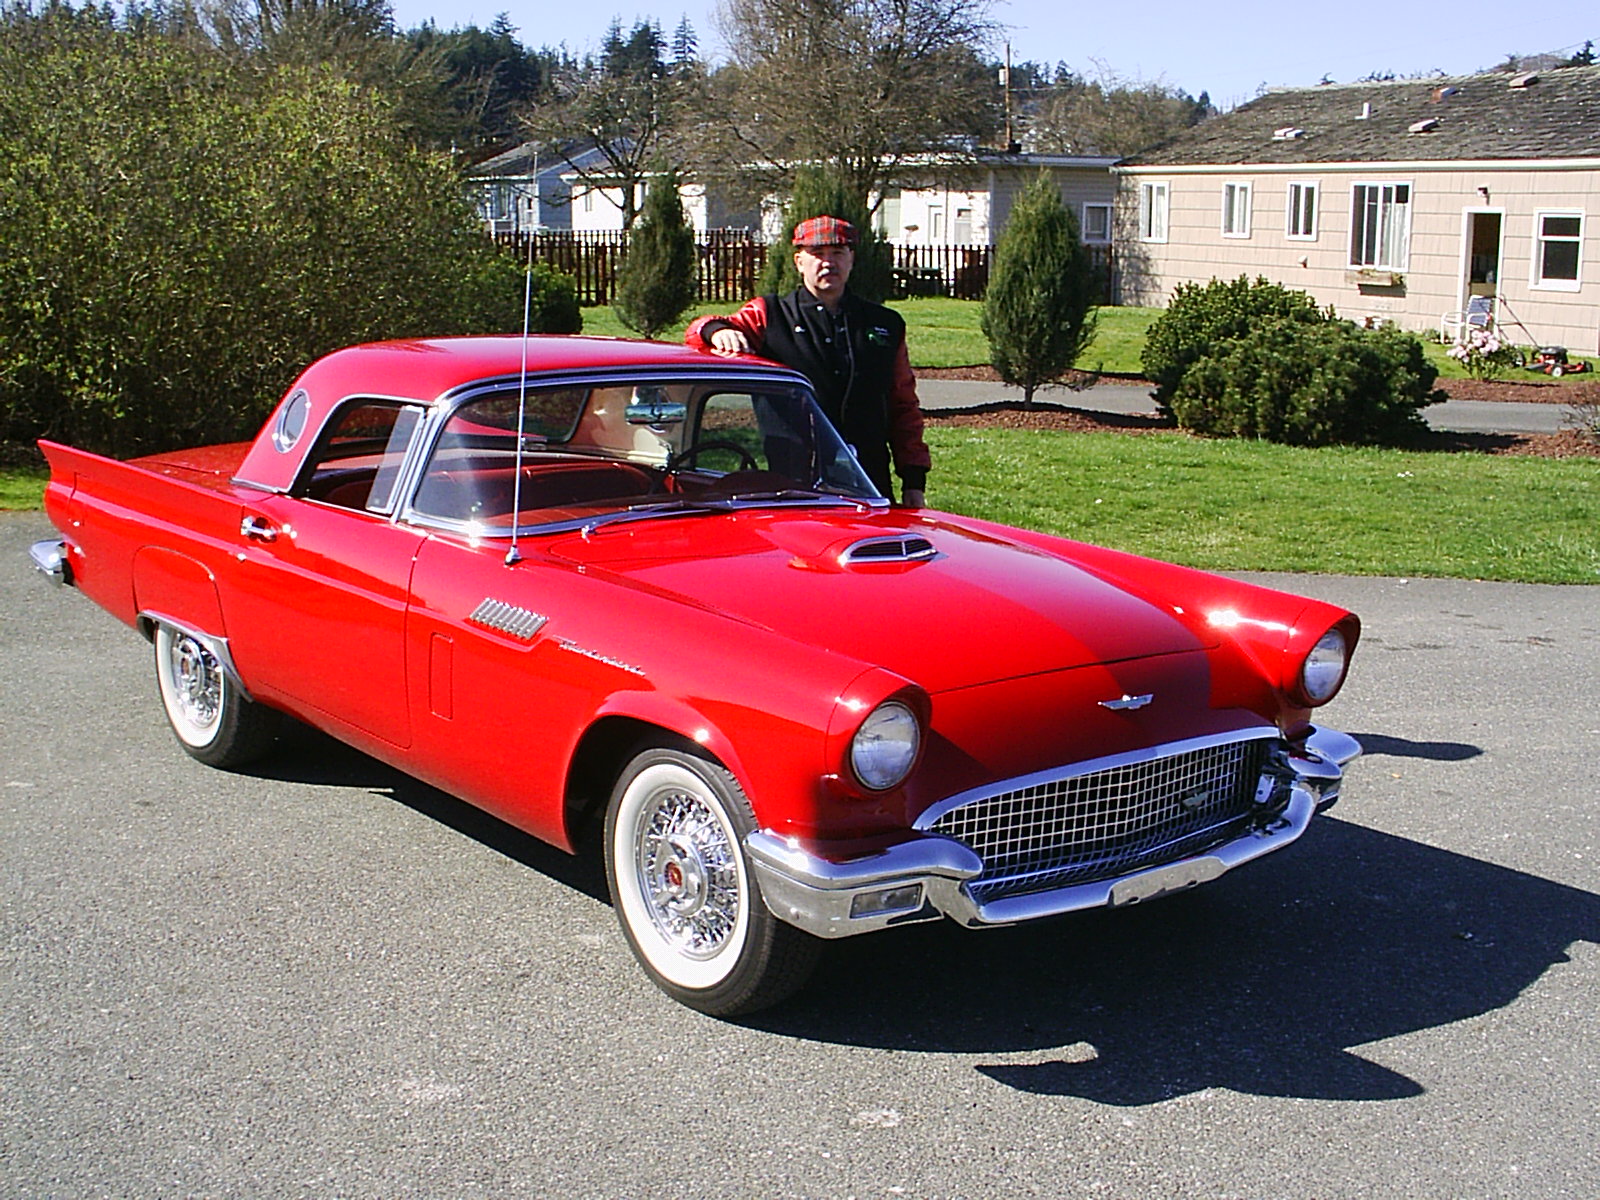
(1038, 313)
(819, 192)
(656, 282)
(180, 232)
(1203, 316)
(1309, 384)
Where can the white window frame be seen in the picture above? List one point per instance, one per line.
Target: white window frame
(1536, 276)
(1389, 239)
(1083, 223)
(1237, 198)
(1294, 206)
(1155, 209)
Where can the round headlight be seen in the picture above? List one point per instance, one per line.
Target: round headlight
(885, 746)
(1323, 671)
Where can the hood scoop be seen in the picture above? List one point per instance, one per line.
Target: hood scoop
(903, 549)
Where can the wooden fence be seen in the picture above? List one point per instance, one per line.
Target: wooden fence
(730, 263)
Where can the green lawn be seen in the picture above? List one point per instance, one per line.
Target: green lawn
(1236, 505)
(21, 487)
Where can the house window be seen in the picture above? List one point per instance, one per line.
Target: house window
(936, 224)
(1236, 210)
(1557, 250)
(1097, 222)
(1301, 217)
(961, 231)
(1380, 225)
(1152, 212)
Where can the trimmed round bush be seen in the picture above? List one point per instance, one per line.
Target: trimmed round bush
(1202, 316)
(1287, 380)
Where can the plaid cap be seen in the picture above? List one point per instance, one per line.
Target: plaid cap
(825, 231)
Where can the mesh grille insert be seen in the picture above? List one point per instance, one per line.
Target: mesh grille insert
(1109, 822)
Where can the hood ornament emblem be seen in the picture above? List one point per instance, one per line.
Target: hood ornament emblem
(1128, 703)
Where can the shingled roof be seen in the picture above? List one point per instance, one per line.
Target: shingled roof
(1551, 114)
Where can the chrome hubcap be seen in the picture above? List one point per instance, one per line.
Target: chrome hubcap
(687, 873)
(197, 682)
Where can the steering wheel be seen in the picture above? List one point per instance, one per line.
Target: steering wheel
(689, 455)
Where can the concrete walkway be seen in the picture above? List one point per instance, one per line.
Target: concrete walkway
(1455, 416)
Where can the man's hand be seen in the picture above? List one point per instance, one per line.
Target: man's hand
(728, 341)
(912, 498)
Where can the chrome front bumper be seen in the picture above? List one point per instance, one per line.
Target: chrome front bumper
(925, 878)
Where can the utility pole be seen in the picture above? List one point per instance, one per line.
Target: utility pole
(1005, 86)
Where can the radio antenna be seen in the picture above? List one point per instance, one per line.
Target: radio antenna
(513, 555)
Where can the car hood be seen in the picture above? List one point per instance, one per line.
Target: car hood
(980, 609)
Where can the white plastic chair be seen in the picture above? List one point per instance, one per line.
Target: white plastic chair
(1479, 314)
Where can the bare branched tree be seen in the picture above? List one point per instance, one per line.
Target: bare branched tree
(630, 105)
(879, 89)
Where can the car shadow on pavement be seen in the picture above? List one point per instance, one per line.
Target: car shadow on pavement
(306, 755)
(1264, 982)
(1379, 744)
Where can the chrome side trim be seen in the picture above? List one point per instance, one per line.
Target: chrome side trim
(818, 894)
(50, 559)
(147, 621)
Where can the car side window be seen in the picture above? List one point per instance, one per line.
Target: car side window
(356, 462)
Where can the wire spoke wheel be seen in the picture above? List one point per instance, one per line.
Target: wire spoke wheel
(209, 712)
(684, 893)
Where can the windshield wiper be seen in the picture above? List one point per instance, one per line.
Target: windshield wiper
(796, 495)
(735, 502)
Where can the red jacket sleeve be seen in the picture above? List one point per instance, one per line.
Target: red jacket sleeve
(911, 456)
(751, 320)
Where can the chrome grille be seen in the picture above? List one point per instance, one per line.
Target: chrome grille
(1126, 817)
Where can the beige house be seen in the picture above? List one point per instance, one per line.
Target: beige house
(1398, 201)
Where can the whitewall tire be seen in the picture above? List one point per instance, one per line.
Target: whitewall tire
(684, 892)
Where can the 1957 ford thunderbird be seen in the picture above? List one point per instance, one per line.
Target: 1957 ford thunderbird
(629, 589)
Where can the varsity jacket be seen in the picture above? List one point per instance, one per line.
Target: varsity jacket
(865, 385)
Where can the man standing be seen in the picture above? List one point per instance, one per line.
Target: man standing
(854, 353)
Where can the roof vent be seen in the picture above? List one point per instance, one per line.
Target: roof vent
(1287, 134)
(910, 548)
(1366, 110)
(1526, 79)
(1442, 92)
(1427, 126)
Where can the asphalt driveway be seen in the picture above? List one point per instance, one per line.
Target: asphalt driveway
(323, 978)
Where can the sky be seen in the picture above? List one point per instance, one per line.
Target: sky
(1228, 50)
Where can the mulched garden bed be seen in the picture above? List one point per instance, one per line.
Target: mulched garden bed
(1569, 443)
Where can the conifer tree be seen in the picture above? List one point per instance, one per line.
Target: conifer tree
(1038, 313)
(656, 281)
(820, 192)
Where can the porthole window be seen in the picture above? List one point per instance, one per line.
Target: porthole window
(291, 421)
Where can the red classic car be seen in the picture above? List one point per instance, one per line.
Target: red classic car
(633, 591)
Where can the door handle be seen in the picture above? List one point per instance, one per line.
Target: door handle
(258, 529)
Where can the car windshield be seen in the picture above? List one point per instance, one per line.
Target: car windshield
(592, 454)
